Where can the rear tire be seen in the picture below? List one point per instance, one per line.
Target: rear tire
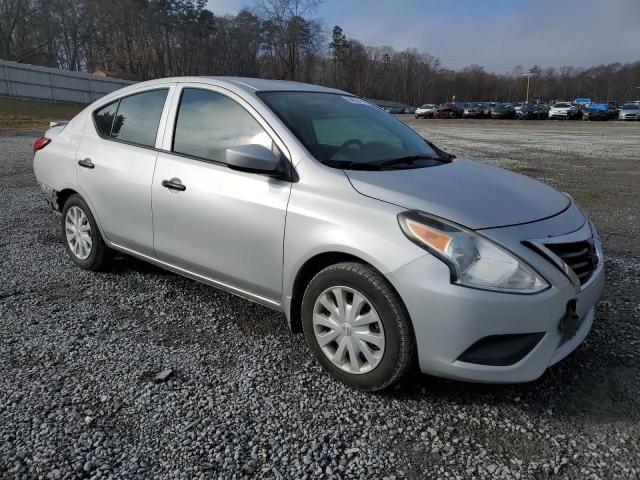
(366, 335)
(82, 238)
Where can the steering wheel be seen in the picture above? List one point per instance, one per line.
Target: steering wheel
(341, 152)
(348, 143)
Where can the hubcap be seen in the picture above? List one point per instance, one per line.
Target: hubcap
(348, 330)
(78, 232)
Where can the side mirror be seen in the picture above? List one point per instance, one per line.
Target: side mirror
(255, 159)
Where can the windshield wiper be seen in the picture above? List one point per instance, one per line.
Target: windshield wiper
(408, 160)
(349, 165)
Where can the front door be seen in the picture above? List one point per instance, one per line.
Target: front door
(208, 219)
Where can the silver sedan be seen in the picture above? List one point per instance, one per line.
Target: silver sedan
(382, 248)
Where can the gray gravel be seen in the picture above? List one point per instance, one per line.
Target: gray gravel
(139, 373)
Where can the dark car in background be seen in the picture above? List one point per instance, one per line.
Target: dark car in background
(533, 111)
(450, 110)
(474, 110)
(394, 110)
(503, 110)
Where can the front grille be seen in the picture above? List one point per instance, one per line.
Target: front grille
(581, 257)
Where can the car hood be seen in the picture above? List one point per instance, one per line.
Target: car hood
(470, 193)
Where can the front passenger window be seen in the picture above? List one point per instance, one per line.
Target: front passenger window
(208, 123)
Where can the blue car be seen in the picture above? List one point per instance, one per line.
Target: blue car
(596, 111)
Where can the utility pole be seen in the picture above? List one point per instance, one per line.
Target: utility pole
(529, 74)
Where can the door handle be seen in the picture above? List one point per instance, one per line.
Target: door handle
(86, 163)
(174, 184)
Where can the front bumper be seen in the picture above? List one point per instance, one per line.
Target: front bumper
(559, 114)
(595, 114)
(448, 319)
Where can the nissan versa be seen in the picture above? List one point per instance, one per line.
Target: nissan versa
(383, 249)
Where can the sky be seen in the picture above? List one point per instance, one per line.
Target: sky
(496, 34)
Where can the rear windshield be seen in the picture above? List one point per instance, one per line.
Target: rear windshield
(345, 130)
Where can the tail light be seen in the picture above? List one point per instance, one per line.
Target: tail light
(40, 144)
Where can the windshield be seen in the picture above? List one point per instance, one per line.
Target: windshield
(631, 106)
(562, 105)
(427, 105)
(348, 132)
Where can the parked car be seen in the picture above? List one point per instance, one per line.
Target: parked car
(425, 111)
(394, 110)
(409, 110)
(563, 110)
(503, 110)
(517, 107)
(582, 101)
(613, 109)
(531, 111)
(473, 110)
(379, 246)
(629, 111)
(596, 111)
(450, 110)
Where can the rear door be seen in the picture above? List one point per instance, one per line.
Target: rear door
(116, 160)
(225, 225)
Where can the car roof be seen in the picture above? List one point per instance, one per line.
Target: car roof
(246, 84)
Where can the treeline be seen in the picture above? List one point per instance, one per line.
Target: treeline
(143, 39)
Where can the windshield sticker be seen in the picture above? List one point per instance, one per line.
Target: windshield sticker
(356, 100)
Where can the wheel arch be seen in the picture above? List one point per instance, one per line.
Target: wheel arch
(313, 266)
(63, 196)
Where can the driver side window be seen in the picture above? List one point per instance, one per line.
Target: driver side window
(208, 123)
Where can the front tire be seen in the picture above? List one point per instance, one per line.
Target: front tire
(81, 236)
(357, 327)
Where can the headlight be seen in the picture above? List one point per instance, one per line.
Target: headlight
(473, 260)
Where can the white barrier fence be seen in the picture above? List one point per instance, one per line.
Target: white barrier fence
(43, 83)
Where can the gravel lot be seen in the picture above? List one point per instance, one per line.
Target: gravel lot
(79, 352)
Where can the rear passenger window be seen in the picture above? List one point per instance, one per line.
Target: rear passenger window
(138, 117)
(208, 123)
(104, 118)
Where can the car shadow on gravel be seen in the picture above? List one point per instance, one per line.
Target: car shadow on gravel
(577, 389)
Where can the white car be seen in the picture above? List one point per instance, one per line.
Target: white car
(563, 110)
(425, 111)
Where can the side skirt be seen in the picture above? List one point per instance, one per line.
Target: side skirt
(201, 278)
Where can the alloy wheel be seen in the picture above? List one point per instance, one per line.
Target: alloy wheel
(78, 233)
